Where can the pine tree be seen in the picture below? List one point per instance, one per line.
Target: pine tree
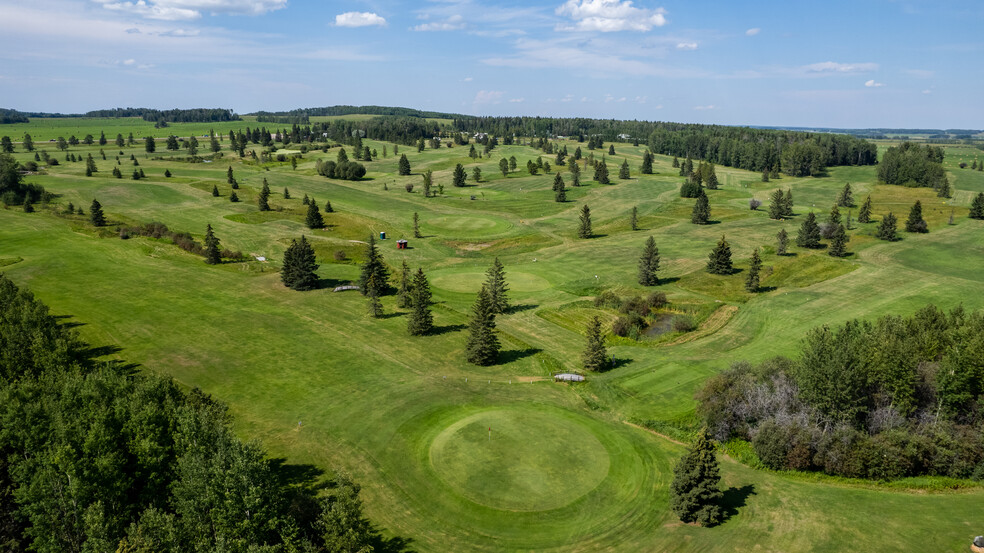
(96, 214)
(575, 174)
(647, 163)
(298, 272)
(373, 265)
(102, 138)
(560, 189)
(403, 299)
(328, 208)
(595, 356)
(477, 174)
(286, 193)
(846, 196)
(649, 264)
(611, 149)
(710, 176)
(264, 195)
(306, 200)
(754, 268)
(838, 242)
(314, 219)
(809, 232)
(90, 165)
(230, 178)
(782, 242)
(601, 173)
(233, 197)
(482, 347)
(695, 494)
(215, 191)
(701, 213)
(117, 173)
(776, 204)
(420, 321)
(375, 307)
(676, 163)
(167, 173)
(944, 190)
(787, 204)
(212, 254)
(835, 216)
(887, 228)
(765, 175)
(623, 171)
(584, 226)
(915, 222)
(496, 284)
(634, 218)
(70, 208)
(864, 216)
(719, 261)
(404, 165)
(977, 207)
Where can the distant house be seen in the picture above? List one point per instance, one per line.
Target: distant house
(624, 137)
(480, 135)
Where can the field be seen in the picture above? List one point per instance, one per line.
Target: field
(318, 382)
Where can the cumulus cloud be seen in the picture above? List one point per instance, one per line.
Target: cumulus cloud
(686, 46)
(872, 84)
(176, 10)
(359, 19)
(834, 68)
(753, 31)
(453, 23)
(488, 97)
(609, 15)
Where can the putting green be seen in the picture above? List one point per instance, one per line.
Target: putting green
(466, 226)
(472, 282)
(534, 461)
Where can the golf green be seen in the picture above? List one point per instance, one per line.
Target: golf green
(472, 282)
(531, 460)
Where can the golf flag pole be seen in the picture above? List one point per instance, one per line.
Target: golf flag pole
(490, 433)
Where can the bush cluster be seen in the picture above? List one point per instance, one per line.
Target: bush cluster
(183, 240)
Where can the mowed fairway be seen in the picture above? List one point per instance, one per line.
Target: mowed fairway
(318, 382)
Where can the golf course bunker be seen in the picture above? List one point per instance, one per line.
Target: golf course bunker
(535, 460)
(472, 282)
(478, 226)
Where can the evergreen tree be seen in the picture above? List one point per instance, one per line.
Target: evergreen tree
(70, 208)
(28, 143)
(835, 216)
(611, 149)
(944, 190)
(695, 493)
(777, 204)
(584, 226)
(117, 173)
(887, 228)
(623, 170)
(233, 197)
(846, 196)
(676, 163)
(977, 207)
(404, 165)
(702, 210)
(373, 265)
(459, 176)
(416, 225)
(512, 163)
(90, 165)
(601, 173)
(230, 178)
(838, 242)
(649, 264)
(28, 206)
(298, 272)
(647, 163)
(403, 299)
(504, 166)
(215, 191)
(96, 214)
(864, 216)
(6, 145)
(595, 356)
(719, 261)
(496, 284)
(482, 347)
(428, 177)
(375, 307)
(782, 242)
(765, 175)
(710, 176)
(477, 174)
(634, 218)
(286, 193)
(809, 232)
(915, 222)
(787, 204)
(264, 196)
(305, 201)
(560, 189)
(575, 174)
(313, 219)
(420, 321)
(149, 145)
(167, 173)
(102, 138)
(754, 268)
(212, 252)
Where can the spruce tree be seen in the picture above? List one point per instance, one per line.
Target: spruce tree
(595, 356)
(298, 272)
(835, 216)
(776, 205)
(496, 283)
(90, 165)
(504, 166)
(647, 163)
(584, 223)
(719, 261)
(977, 206)
(306, 200)
(264, 195)
(695, 493)
(944, 190)
(782, 242)
(482, 347)
(702, 210)
(846, 196)
(765, 175)
(96, 214)
(28, 206)
(601, 173)
(404, 165)
(212, 254)
(167, 173)
(420, 321)
(887, 228)
(754, 268)
(328, 208)
(416, 226)
(459, 177)
(230, 178)
(710, 176)
(809, 232)
(403, 299)
(915, 222)
(676, 162)
(314, 219)
(373, 265)
(623, 170)
(375, 307)
(649, 264)
(215, 191)
(611, 149)
(286, 193)
(864, 215)
(634, 218)
(560, 189)
(787, 203)
(233, 197)
(477, 175)
(838, 242)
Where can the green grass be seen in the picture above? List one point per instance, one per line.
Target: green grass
(407, 417)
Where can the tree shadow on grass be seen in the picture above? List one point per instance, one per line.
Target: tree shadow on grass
(667, 280)
(439, 330)
(67, 324)
(395, 544)
(763, 289)
(520, 308)
(733, 500)
(619, 362)
(516, 354)
(392, 315)
(332, 283)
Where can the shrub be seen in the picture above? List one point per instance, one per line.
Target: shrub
(754, 204)
(339, 255)
(771, 445)
(608, 299)
(657, 300)
(683, 323)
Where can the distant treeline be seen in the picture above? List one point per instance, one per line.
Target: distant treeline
(196, 115)
(358, 110)
(11, 116)
(910, 164)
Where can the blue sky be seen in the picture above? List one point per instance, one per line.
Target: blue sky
(860, 63)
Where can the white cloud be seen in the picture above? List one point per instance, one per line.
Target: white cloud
(517, 100)
(872, 84)
(686, 46)
(468, 79)
(175, 10)
(927, 91)
(658, 106)
(704, 108)
(609, 15)
(180, 32)
(453, 23)
(359, 19)
(488, 97)
(834, 68)
(753, 31)
(573, 53)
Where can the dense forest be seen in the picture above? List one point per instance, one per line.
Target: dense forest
(367, 110)
(910, 164)
(902, 396)
(196, 115)
(96, 456)
(11, 116)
